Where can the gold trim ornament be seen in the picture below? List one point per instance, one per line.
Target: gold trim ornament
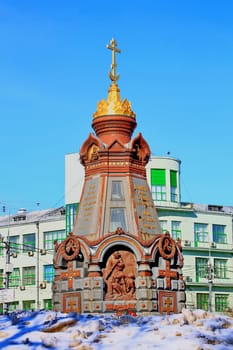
(114, 105)
(70, 248)
(167, 247)
(113, 46)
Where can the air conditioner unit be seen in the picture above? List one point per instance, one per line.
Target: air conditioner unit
(213, 245)
(187, 243)
(188, 279)
(30, 253)
(22, 287)
(43, 252)
(42, 285)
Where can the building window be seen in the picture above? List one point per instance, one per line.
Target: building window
(176, 230)
(51, 236)
(173, 183)
(201, 268)
(48, 305)
(221, 302)
(117, 219)
(220, 268)
(29, 276)
(13, 306)
(202, 301)
(48, 273)
(2, 246)
(29, 242)
(14, 279)
(71, 212)
(163, 224)
(219, 235)
(1, 279)
(201, 233)
(29, 305)
(158, 184)
(14, 244)
(117, 193)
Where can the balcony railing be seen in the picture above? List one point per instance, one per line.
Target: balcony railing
(206, 245)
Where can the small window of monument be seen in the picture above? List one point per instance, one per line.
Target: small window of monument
(117, 219)
(116, 191)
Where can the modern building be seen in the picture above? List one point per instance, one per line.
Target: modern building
(26, 257)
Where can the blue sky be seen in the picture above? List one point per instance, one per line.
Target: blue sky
(176, 68)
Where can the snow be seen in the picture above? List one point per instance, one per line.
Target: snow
(197, 329)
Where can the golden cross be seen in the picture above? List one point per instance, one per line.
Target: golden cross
(113, 46)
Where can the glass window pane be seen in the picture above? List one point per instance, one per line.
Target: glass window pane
(51, 236)
(14, 244)
(163, 224)
(158, 193)
(29, 305)
(29, 277)
(29, 242)
(117, 190)
(1, 279)
(14, 279)
(201, 232)
(48, 273)
(13, 306)
(71, 211)
(48, 305)
(220, 268)
(176, 230)
(219, 235)
(117, 219)
(201, 268)
(202, 301)
(221, 302)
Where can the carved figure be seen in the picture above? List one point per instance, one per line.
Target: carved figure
(115, 263)
(118, 283)
(130, 285)
(119, 277)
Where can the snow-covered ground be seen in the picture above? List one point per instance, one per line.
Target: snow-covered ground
(198, 330)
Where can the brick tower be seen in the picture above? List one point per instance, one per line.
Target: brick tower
(117, 257)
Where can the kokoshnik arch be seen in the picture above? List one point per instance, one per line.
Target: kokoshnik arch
(117, 257)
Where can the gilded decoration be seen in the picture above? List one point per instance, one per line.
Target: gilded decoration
(114, 105)
(93, 152)
(113, 47)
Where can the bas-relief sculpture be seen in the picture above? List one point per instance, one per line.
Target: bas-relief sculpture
(119, 276)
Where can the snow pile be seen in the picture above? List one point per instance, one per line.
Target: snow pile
(197, 330)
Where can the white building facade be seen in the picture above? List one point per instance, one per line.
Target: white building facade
(205, 232)
(30, 237)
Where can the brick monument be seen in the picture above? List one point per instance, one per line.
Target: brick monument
(117, 257)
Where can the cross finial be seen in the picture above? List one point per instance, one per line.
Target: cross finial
(113, 46)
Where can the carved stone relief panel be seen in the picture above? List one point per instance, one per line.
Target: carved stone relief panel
(119, 276)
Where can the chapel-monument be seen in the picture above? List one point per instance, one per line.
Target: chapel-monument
(117, 258)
